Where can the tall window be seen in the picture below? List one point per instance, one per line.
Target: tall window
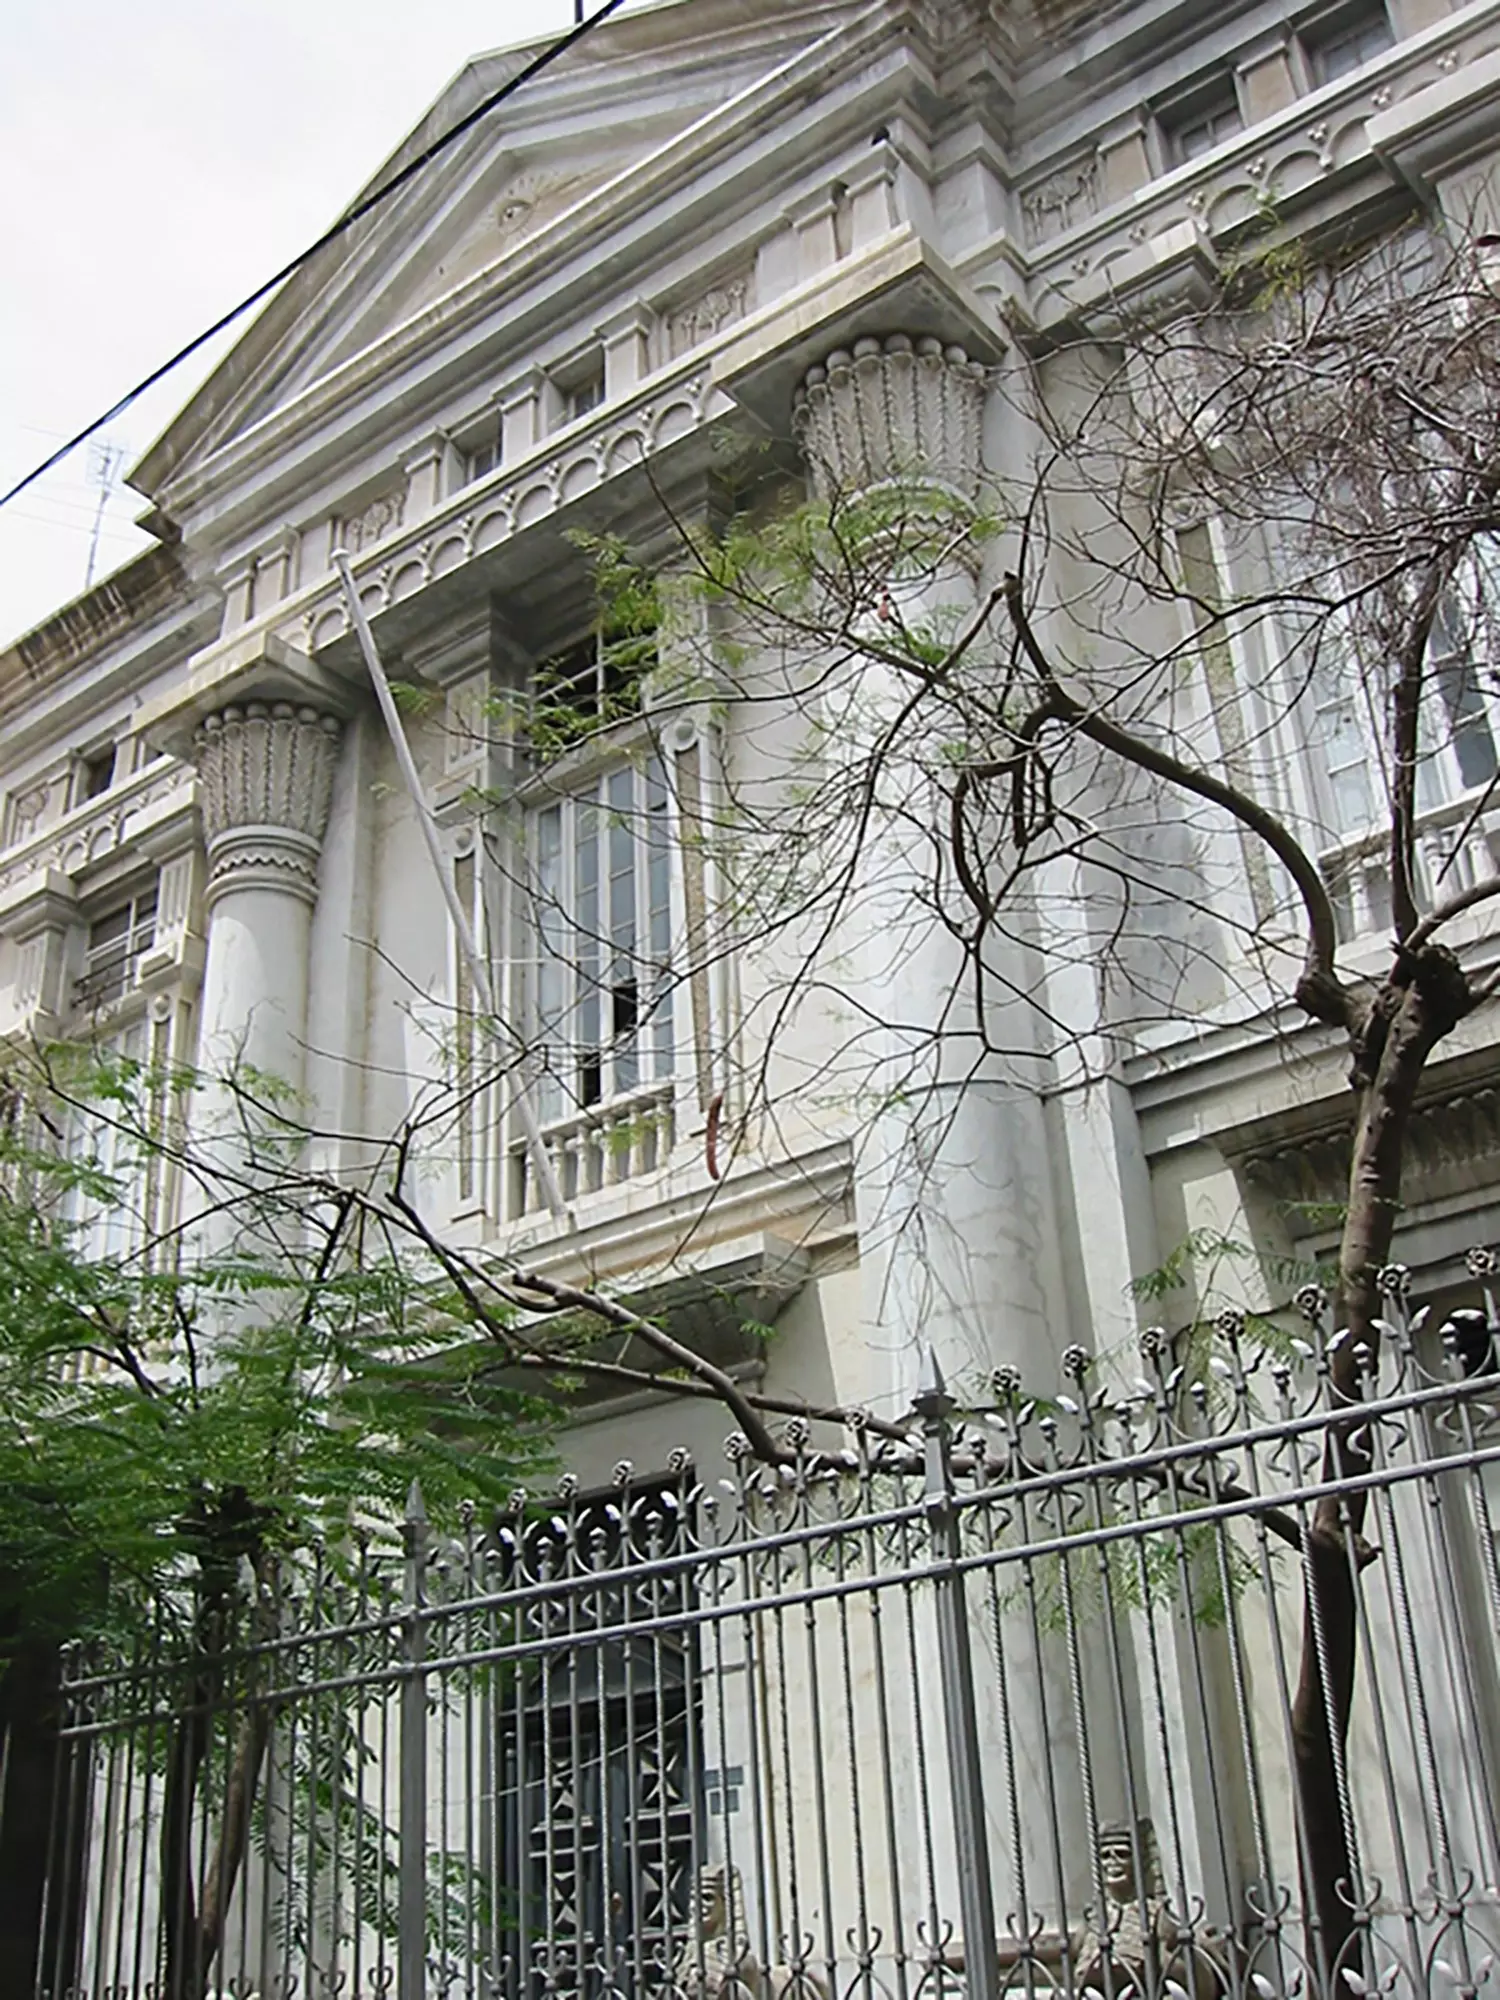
(593, 950)
(109, 1221)
(604, 923)
(1343, 736)
(1460, 752)
(1348, 713)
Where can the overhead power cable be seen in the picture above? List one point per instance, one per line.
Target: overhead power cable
(346, 222)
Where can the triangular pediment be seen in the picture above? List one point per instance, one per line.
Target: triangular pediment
(507, 203)
(507, 186)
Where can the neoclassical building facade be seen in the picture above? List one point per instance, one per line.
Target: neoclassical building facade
(807, 231)
(715, 226)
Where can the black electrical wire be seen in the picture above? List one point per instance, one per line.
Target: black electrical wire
(345, 222)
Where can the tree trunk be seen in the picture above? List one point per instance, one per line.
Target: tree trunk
(186, 1751)
(193, 1932)
(1416, 1007)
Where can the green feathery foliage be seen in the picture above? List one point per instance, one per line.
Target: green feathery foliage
(166, 1415)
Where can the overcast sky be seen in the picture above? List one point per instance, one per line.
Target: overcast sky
(157, 163)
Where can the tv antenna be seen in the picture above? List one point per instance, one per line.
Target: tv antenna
(105, 461)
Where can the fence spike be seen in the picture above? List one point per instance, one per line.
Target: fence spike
(932, 1401)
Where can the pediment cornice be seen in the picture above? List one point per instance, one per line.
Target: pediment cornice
(219, 431)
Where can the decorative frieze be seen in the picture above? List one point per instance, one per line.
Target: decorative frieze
(92, 832)
(1065, 197)
(724, 302)
(377, 518)
(614, 441)
(892, 412)
(265, 784)
(1453, 1145)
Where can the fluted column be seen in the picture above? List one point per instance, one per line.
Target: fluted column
(265, 773)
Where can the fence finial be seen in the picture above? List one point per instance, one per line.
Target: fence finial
(932, 1402)
(416, 1506)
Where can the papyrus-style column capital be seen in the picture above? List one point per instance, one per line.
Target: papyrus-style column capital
(891, 412)
(265, 783)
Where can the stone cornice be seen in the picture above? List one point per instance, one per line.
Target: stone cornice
(153, 582)
(303, 311)
(684, 1227)
(1300, 1160)
(1317, 155)
(686, 396)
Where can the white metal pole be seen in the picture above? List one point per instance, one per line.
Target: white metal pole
(463, 929)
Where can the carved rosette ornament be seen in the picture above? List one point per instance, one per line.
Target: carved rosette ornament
(893, 412)
(265, 784)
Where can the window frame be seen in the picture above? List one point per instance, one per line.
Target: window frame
(1334, 26)
(1184, 112)
(624, 1129)
(1351, 856)
(139, 903)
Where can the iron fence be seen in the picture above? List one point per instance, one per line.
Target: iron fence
(1009, 1707)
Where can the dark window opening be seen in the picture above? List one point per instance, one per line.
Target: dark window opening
(482, 458)
(1339, 43)
(625, 1008)
(584, 393)
(1195, 125)
(97, 774)
(590, 1077)
(596, 680)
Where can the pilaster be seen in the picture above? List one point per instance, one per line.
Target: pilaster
(627, 349)
(521, 415)
(39, 922)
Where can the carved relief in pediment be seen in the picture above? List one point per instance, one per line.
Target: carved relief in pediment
(534, 198)
(523, 205)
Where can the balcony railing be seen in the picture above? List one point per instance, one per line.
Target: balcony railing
(598, 1148)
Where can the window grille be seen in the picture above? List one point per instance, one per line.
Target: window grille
(599, 1761)
(117, 940)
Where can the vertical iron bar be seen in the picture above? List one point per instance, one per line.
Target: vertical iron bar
(411, 1906)
(933, 1405)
